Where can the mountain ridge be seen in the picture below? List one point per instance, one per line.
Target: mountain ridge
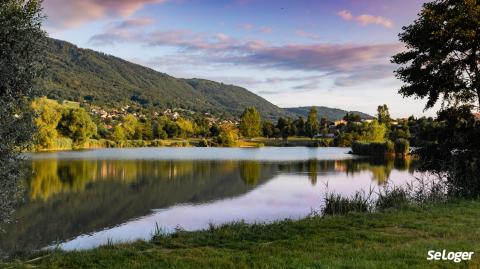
(78, 74)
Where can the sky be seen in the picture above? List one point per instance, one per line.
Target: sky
(333, 53)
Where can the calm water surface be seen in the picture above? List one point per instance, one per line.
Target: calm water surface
(84, 199)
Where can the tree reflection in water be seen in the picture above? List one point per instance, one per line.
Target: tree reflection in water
(67, 198)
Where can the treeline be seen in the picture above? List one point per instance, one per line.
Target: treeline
(69, 125)
(61, 126)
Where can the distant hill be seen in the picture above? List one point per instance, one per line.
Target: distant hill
(78, 74)
(326, 112)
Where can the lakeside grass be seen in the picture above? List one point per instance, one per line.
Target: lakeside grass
(396, 238)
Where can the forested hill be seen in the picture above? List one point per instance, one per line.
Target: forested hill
(326, 112)
(79, 74)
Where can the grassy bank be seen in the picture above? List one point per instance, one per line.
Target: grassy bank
(397, 238)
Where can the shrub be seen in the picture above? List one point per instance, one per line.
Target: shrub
(157, 143)
(402, 146)
(392, 198)
(203, 143)
(335, 204)
(371, 149)
(62, 143)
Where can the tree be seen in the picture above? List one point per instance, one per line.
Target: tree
(250, 123)
(351, 117)
(77, 124)
(46, 121)
(228, 135)
(268, 129)
(21, 55)
(118, 134)
(443, 56)
(312, 126)
(383, 114)
(130, 126)
(300, 126)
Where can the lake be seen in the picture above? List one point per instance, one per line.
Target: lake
(84, 199)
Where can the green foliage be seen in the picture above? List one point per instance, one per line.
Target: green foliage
(77, 124)
(250, 123)
(442, 57)
(119, 134)
(373, 132)
(47, 118)
(402, 146)
(21, 57)
(186, 127)
(268, 129)
(311, 126)
(371, 149)
(352, 117)
(336, 204)
(130, 126)
(228, 136)
(383, 115)
(395, 238)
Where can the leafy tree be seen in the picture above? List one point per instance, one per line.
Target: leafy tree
(130, 125)
(21, 55)
(250, 123)
(187, 128)
(119, 134)
(268, 129)
(383, 114)
(375, 132)
(351, 117)
(215, 130)
(77, 124)
(46, 121)
(172, 129)
(312, 126)
(228, 135)
(299, 126)
(442, 59)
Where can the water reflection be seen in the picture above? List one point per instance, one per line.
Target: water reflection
(73, 197)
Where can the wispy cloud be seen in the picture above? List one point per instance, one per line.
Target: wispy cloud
(366, 19)
(75, 13)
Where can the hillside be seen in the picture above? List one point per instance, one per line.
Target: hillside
(325, 112)
(79, 74)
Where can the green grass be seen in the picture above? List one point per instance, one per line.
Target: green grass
(398, 238)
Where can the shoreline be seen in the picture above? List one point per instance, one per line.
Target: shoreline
(369, 240)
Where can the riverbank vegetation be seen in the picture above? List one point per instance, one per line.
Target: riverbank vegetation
(71, 125)
(394, 238)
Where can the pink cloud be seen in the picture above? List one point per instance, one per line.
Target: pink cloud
(74, 13)
(345, 14)
(366, 19)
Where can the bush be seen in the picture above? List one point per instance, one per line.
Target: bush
(392, 198)
(322, 143)
(371, 149)
(335, 204)
(203, 143)
(157, 143)
(402, 146)
(62, 143)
